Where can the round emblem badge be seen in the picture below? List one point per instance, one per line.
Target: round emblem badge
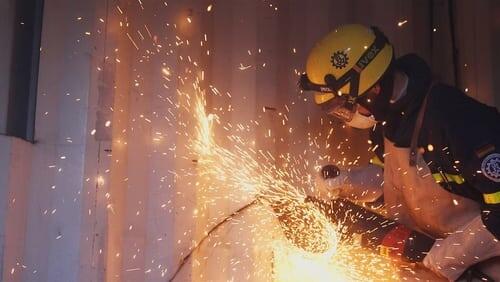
(340, 59)
(491, 167)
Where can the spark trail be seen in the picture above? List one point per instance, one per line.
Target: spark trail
(316, 249)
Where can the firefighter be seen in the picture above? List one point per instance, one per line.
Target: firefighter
(441, 148)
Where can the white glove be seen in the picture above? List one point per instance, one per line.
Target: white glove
(469, 245)
(327, 189)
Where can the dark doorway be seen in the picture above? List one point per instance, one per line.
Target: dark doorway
(24, 68)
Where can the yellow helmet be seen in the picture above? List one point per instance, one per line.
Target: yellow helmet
(349, 60)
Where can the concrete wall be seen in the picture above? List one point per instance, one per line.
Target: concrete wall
(98, 196)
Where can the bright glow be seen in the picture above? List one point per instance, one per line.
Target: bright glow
(322, 256)
(100, 180)
(349, 263)
(165, 71)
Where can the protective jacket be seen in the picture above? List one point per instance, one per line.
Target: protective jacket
(460, 138)
(453, 191)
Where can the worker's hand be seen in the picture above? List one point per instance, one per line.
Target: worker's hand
(471, 243)
(328, 183)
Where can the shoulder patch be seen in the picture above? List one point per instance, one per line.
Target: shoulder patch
(491, 167)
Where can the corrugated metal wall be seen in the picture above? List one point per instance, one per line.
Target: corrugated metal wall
(256, 50)
(115, 207)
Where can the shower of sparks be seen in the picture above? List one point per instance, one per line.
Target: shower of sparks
(313, 251)
(245, 171)
(350, 262)
(231, 170)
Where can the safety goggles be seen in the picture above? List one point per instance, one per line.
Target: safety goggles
(342, 106)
